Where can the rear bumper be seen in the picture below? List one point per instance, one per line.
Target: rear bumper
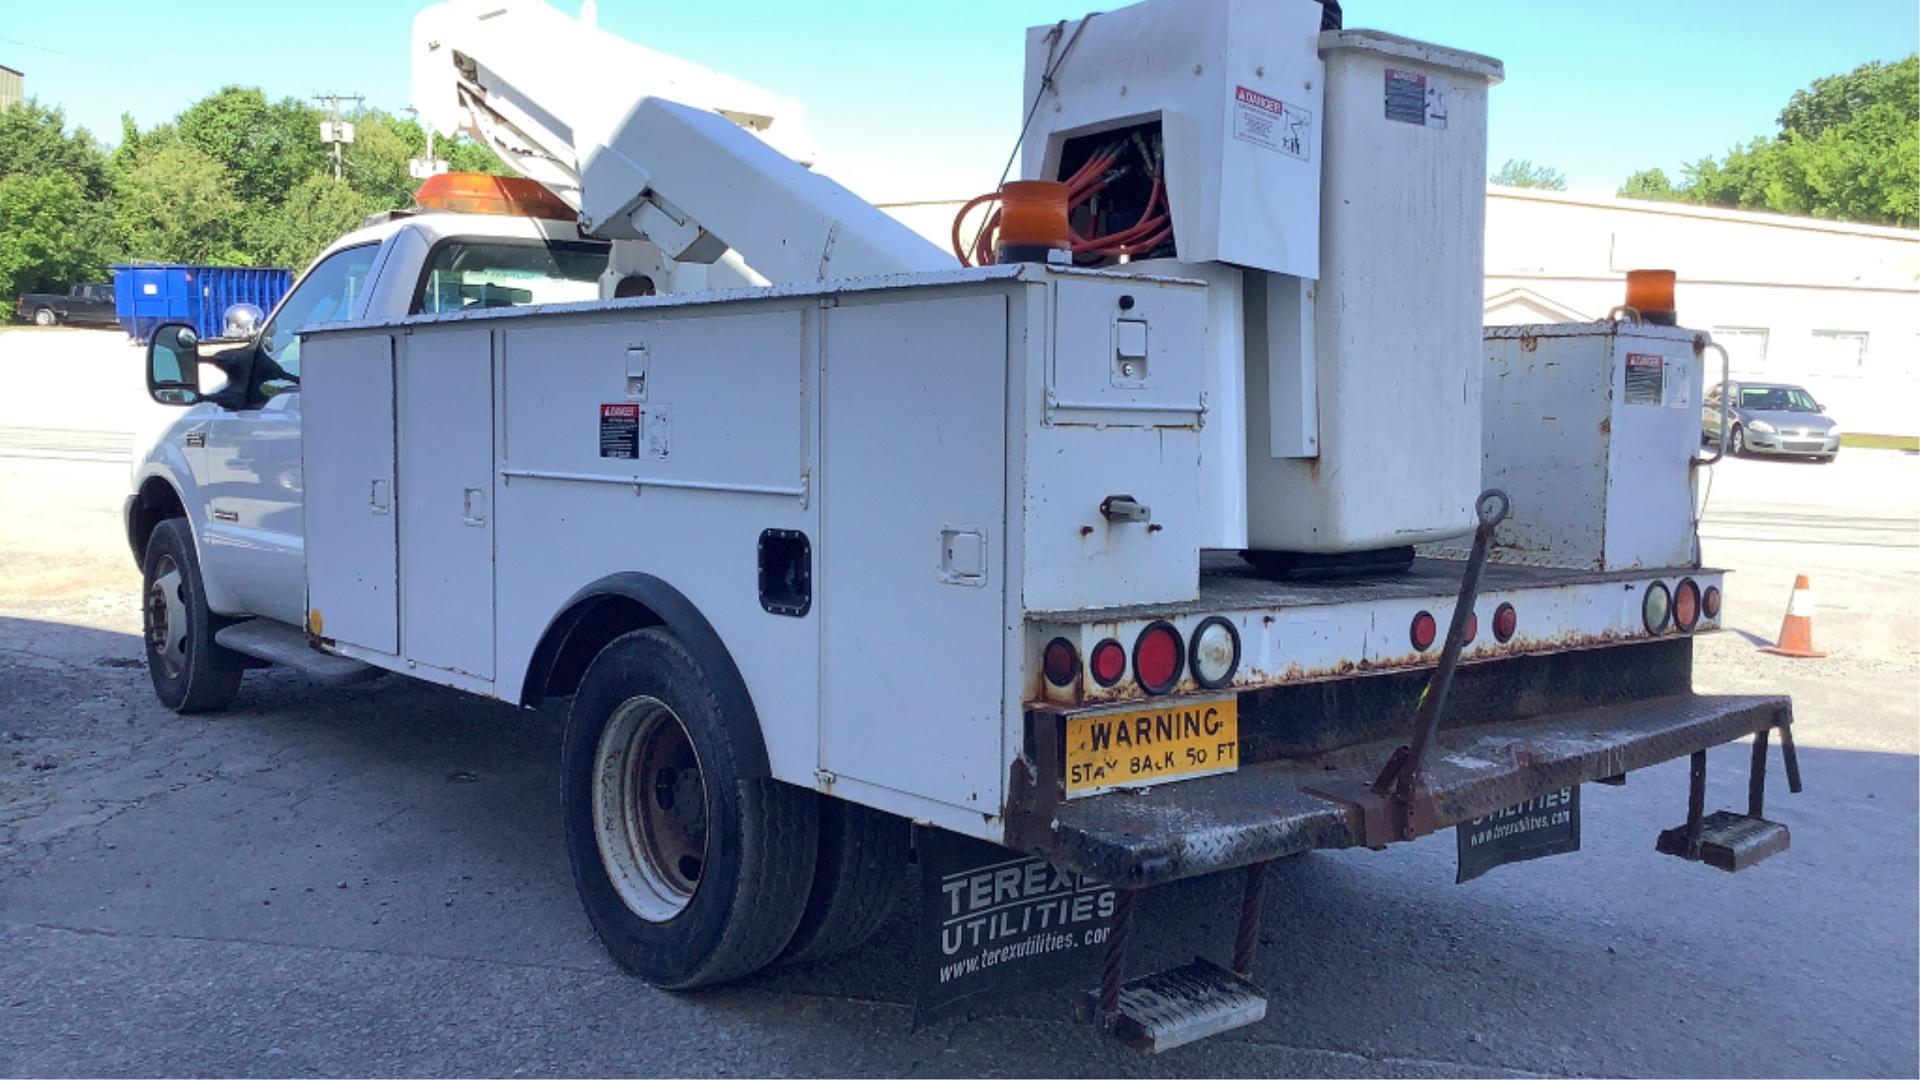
(1283, 807)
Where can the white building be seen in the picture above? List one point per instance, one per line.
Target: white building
(1831, 306)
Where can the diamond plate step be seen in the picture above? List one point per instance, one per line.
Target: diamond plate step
(1185, 1004)
(1728, 841)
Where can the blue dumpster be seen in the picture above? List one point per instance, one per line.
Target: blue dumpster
(146, 296)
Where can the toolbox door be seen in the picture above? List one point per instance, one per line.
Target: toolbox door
(912, 561)
(347, 462)
(446, 500)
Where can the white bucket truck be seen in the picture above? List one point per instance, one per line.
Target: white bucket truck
(1106, 556)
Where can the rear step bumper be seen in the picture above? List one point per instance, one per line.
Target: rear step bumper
(1182, 829)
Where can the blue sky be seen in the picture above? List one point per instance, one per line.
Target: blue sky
(921, 99)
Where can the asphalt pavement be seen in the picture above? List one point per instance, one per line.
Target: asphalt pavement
(371, 880)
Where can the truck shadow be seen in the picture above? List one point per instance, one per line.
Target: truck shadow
(405, 819)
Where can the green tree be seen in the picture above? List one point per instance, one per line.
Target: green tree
(1848, 149)
(1648, 184)
(1520, 172)
(51, 234)
(269, 147)
(318, 211)
(34, 141)
(177, 204)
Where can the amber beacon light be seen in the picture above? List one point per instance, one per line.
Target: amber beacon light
(1650, 293)
(1033, 221)
(479, 193)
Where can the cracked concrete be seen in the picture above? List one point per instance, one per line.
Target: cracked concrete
(370, 880)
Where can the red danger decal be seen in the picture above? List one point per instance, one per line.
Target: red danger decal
(619, 412)
(1258, 100)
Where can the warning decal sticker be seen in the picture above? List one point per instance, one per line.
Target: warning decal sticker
(629, 431)
(1413, 98)
(1646, 379)
(1271, 123)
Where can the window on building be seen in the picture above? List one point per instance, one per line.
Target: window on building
(1839, 353)
(1746, 348)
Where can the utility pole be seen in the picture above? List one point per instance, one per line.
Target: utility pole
(421, 168)
(335, 130)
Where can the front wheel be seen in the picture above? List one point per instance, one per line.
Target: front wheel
(691, 871)
(44, 317)
(1737, 443)
(190, 673)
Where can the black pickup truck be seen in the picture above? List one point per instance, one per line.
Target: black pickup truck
(82, 305)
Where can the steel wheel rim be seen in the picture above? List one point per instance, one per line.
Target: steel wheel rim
(164, 617)
(650, 809)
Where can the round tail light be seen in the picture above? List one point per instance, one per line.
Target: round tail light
(1061, 662)
(1473, 628)
(1108, 663)
(1423, 632)
(1656, 610)
(1214, 653)
(1710, 603)
(1505, 621)
(1158, 658)
(1686, 605)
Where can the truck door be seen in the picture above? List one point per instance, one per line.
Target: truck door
(252, 485)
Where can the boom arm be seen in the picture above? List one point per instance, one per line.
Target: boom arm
(686, 159)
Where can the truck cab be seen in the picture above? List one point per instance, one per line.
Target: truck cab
(230, 464)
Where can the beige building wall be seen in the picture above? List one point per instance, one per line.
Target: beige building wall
(13, 89)
(1831, 306)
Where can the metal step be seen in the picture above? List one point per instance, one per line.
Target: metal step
(278, 643)
(1185, 1004)
(1728, 841)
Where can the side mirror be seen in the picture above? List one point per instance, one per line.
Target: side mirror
(173, 365)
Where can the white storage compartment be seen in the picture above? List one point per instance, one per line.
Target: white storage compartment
(1590, 430)
(1396, 309)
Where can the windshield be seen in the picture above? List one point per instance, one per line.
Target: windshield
(468, 274)
(1777, 399)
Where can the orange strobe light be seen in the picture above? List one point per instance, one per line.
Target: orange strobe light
(1033, 221)
(479, 193)
(1650, 294)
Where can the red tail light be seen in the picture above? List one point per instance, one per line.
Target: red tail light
(1158, 658)
(1505, 621)
(1423, 632)
(1686, 604)
(1061, 662)
(1109, 662)
(1473, 628)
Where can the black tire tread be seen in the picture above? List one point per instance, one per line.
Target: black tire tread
(856, 881)
(777, 825)
(212, 674)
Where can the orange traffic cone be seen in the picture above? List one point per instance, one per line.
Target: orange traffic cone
(1796, 630)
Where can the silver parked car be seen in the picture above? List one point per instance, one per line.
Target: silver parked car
(1770, 418)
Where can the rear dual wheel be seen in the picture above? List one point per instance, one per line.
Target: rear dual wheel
(692, 870)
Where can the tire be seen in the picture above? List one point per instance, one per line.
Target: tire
(651, 772)
(45, 317)
(1737, 442)
(856, 879)
(190, 673)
